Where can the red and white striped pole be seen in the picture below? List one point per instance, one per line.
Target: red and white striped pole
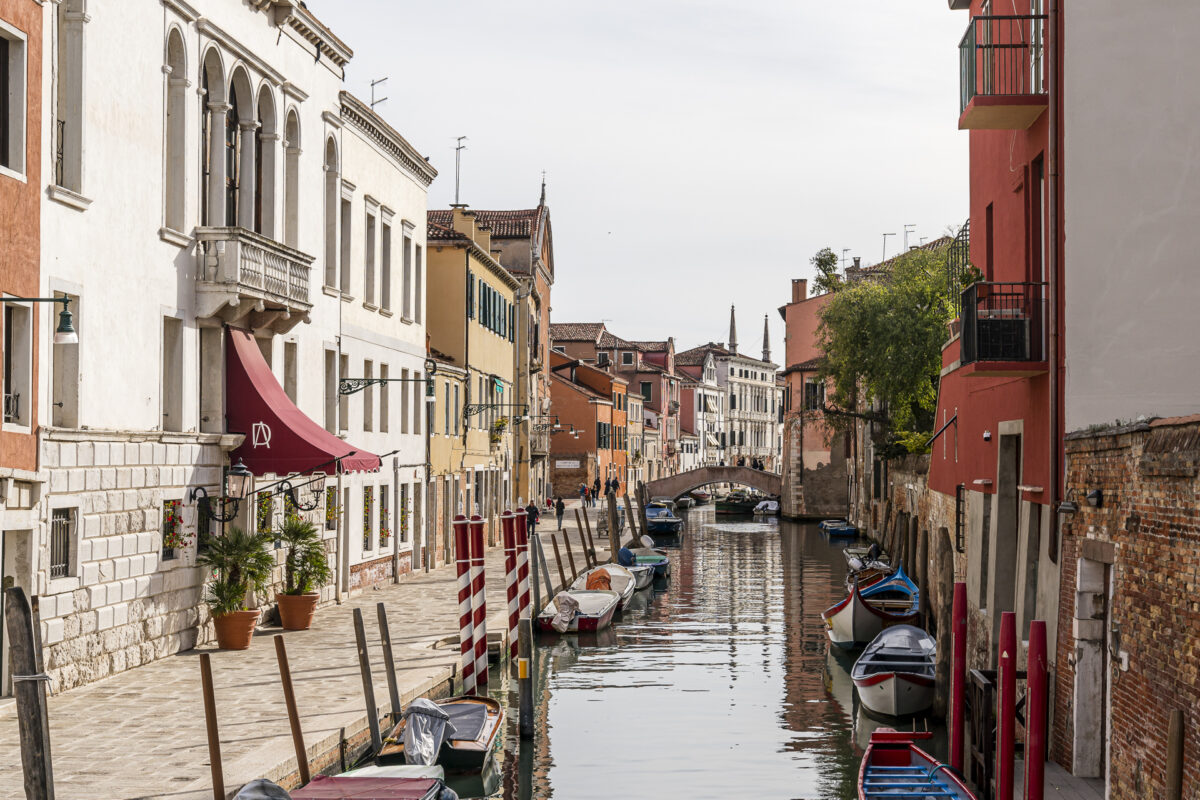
(478, 603)
(522, 534)
(509, 534)
(466, 641)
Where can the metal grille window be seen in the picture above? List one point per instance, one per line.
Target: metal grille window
(368, 508)
(331, 508)
(62, 529)
(960, 518)
(385, 520)
(172, 529)
(404, 513)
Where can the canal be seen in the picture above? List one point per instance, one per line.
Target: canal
(718, 683)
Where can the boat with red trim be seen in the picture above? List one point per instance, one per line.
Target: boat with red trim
(895, 673)
(895, 767)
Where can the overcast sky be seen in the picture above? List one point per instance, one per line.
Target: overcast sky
(697, 152)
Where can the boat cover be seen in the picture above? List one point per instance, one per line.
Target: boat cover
(468, 720)
(566, 608)
(262, 789)
(625, 557)
(768, 506)
(900, 648)
(599, 579)
(427, 726)
(325, 787)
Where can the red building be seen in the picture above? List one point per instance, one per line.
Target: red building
(591, 440)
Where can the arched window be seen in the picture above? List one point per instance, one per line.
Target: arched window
(241, 149)
(212, 164)
(231, 160)
(174, 170)
(266, 142)
(291, 180)
(332, 196)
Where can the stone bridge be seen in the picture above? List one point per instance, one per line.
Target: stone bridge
(675, 485)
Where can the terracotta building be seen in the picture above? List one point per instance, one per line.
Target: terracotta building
(591, 443)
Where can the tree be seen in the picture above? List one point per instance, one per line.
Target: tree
(827, 280)
(882, 338)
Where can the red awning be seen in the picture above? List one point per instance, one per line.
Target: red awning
(280, 439)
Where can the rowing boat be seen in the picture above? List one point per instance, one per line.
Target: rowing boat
(476, 722)
(894, 767)
(620, 580)
(895, 674)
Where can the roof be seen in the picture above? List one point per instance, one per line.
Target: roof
(437, 231)
(586, 391)
(576, 331)
(610, 342)
(653, 347)
(884, 266)
(503, 224)
(697, 355)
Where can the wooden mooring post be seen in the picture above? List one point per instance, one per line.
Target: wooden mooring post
(389, 662)
(210, 724)
(614, 537)
(364, 666)
(289, 699)
(558, 558)
(570, 556)
(29, 691)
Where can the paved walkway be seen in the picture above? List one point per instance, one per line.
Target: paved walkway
(141, 734)
(1061, 784)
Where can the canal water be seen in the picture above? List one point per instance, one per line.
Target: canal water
(718, 683)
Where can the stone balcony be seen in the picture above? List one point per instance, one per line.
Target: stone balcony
(251, 281)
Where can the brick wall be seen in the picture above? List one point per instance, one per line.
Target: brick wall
(1149, 525)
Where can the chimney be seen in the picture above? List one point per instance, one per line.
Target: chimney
(857, 262)
(483, 237)
(463, 221)
(799, 289)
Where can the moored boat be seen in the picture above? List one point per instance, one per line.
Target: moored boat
(839, 529)
(895, 585)
(476, 721)
(661, 521)
(643, 573)
(701, 497)
(767, 508)
(894, 767)
(855, 621)
(608, 576)
(738, 502)
(338, 787)
(684, 501)
(593, 611)
(895, 673)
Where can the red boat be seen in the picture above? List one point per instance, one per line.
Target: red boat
(894, 767)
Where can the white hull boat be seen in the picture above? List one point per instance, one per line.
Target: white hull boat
(855, 621)
(643, 576)
(621, 580)
(895, 674)
(594, 612)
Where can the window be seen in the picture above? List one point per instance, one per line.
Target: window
(68, 152)
(403, 520)
(172, 529)
(406, 278)
(418, 275)
(457, 412)
(368, 397)
(404, 392)
(627, 359)
(62, 536)
(331, 508)
(264, 135)
(988, 232)
(333, 184)
(343, 407)
(385, 266)
(230, 156)
(176, 133)
(647, 391)
(331, 390)
(291, 180)
(172, 374)
(368, 513)
(470, 296)
(347, 232)
(369, 259)
(446, 410)
(18, 357)
(384, 410)
(289, 370)
(385, 519)
(417, 403)
(602, 359)
(733, 400)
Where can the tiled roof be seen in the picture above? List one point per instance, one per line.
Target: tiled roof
(884, 266)
(610, 342)
(653, 347)
(440, 216)
(696, 355)
(576, 331)
(503, 224)
(439, 232)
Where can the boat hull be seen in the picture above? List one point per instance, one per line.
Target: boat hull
(895, 694)
(664, 527)
(643, 576)
(854, 622)
(727, 507)
(894, 766)
(586, 621)
(622, 580)
(454, 756)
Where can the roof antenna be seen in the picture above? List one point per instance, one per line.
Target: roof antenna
(375, 102)
(458, 165)
(843, 261)
(885, 246)
(906, 232)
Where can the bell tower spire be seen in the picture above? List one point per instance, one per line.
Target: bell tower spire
(732, 331)
(766, 339)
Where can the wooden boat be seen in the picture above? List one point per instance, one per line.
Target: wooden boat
(896, 585)
(738, 502)
(341, 787)
(596, 609)
(702, 498)
(894, 767)
(643, 576)
(477, 720)
(661, 521)
(868, 574)
(838, 529)
(620, 580)
(855, 621)
(684, 501)
(652, 556)
(895, 674)
(767, 508)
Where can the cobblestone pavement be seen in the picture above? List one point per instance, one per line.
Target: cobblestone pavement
(140, 734)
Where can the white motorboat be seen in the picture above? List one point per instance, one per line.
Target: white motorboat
(620, 580)
(593, 611)
(895, 673)
(643, 575)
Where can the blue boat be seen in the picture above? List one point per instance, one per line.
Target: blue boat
(645, 557)
(660, 520)
(838, 528)
(895, 587)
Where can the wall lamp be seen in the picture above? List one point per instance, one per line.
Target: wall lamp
(352, 385)
(1068, 505)
(1095, 498)
(237, 485)
(65, 332)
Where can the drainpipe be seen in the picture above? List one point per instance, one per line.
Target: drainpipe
(1054, 265)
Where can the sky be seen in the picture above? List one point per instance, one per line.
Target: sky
(697, 152)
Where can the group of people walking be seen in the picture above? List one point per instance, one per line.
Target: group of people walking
(589, 494)
(755, 463)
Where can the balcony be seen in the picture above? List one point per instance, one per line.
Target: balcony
(1002, 72)
(251, 281)
(1004, 329)
(673, 407)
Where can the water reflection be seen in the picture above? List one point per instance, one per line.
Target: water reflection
(719, 682)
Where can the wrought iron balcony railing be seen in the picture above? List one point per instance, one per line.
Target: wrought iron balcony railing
(12, 408)
(1004, 322)
(1002, 58)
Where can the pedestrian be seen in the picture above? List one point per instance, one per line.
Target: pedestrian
(559, 509)
(532, 515)
(582, 494)
(596, 486)
(616, 486)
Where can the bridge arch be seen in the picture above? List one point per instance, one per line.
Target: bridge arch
(674, 485)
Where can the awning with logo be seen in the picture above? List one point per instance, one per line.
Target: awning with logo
(280, 438)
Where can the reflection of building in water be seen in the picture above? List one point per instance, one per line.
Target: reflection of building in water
(811, 583)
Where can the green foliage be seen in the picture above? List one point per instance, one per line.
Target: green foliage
(915, 442)
(241, 561)
(972, 274)
(825, 262)
(306, 566)
(882, 341)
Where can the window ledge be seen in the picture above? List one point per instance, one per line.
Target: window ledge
(14, 174)
(370, 306)
(16, 427)
(407, 320)
(332, 292)
(68, 198)
(173, 236)
(387, 312)
(347, 297)
(62, 585)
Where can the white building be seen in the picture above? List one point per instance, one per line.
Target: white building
(265, 208)
(752, 404)
(706, 414)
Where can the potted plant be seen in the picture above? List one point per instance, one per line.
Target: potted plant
(305, 569)
(241, 562)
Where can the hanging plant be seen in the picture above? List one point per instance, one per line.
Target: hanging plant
(331, 508)
(264, 511)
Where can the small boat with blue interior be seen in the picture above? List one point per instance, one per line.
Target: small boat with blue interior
(895, 673)
(895, 767)
(859, 618)
(661, 521)
(644, 567)
(838, 529)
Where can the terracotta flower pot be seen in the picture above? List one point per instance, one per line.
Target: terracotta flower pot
(234, 630)
(296, 610)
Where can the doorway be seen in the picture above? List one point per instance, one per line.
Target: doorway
(1090, 718)
(14, 571)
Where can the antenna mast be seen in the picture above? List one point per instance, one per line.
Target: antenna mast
(375, 83)
(885, 246)
(907, 231)
(458, 165)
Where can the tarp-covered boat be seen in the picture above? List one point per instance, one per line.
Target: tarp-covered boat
(608, 576)
(661, 521)
(895, 673)
(462, 739)
(593, 611)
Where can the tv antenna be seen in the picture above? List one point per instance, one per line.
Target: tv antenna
(375, 83)
(458, 165)
(885, 246)
(844, 251)
(907, 230)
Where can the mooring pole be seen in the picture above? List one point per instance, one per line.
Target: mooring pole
(1006, 707)
(1175, 755)
(525, 676)
(570, 556)
(389, 662)
(614, 537)
(558, 558)
(1035, 713)
(541, 551)
(466, 633)
(364, 666)
(958, 676)
(210, 723)
(29, 692)
(289, 698)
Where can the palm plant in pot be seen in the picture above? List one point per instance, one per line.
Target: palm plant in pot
(241, 563)
(305, 570)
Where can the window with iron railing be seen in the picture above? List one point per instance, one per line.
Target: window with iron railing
(1003, 322)
(62, 531)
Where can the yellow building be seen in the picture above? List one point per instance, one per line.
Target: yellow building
(472, 332)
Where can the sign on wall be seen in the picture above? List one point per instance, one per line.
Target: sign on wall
(563, 463)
